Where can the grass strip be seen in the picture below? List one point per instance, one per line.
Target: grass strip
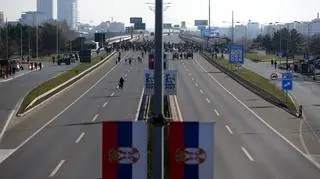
(54, 82)
(258, 81)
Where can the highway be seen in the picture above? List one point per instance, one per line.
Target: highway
(244, 146)
(62, 139)
(69, 144)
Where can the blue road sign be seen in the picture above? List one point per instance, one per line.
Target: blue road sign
(287, 81)
(280, 54)
(287, 75)
(236, 54)
(306, 56)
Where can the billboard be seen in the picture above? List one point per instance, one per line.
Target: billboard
(140, 26)
(136, 20)
(99, 37)
(213, 33)
(167, 26)
(200, 22)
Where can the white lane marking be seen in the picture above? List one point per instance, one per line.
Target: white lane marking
(244, 150)
(95, 117)
(80, 137)
(308, 157)
(187, 69)
(7, 124)
(178, 108)
(201, 91)
(217, 112)
(55, 170)
(189, 74)
(302, 139)
(125, 75)
(229, 129)
(4, 153)
(65, 109)
(197, 85)
(106, 103)
(192, 79)
(139, 106)
(208, 101)
(112, 94)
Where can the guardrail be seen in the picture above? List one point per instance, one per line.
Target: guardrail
(38, 100)
(254, 88)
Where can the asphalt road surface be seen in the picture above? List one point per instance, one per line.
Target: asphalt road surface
(13, 91)
(244, 147)
(70, 145)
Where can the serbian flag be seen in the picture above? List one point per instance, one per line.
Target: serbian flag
(191, 150)
(124, 150)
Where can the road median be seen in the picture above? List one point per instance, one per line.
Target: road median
(54, 85)
(255, 83)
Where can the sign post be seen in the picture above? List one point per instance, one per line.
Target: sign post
(170, 87)
(274, 77)
(191, 150)
(236, 55)
(149, 82)
(287, 83)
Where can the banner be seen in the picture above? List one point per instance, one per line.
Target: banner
(191, 150)
(124, 150)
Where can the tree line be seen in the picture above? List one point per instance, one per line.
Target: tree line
(288, 42)
(46, 34)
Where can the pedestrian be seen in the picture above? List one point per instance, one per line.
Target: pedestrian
(53, 59)
(35, 65)
(40, 66)
(275, 65)
(300, 111)
(271, 62)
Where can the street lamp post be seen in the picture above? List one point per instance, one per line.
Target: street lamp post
(21, 47)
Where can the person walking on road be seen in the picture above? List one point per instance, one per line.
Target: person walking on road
(275, 65)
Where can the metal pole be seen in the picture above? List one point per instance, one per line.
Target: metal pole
(232, 35)
(57, 38)
(157, 133)
(21, 50)
(7, 40)
(29, 43)
(37, 43)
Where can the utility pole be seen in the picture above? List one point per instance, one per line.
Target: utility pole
(21, 52)
(29, 43)
(232, 35)
(209, 23)
(57, 38)
(158, 120)
(7, 40)
(37, 43)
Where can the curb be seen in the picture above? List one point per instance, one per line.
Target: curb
(51, 93)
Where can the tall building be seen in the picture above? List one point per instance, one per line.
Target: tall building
(33, 18)
(45, 6)
(117, 27)
(253, 30)
(183, 24)
(1, 17)
(68, 11)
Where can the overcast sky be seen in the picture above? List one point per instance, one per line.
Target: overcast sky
(263, 11)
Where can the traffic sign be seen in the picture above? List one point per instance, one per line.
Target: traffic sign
(236, 54)
(287, 83)
(124, 150)
(170, 82)
(274, 76)
(306, 56)
(280, 54)
(287, 75)
(149, 82)
(191, 150)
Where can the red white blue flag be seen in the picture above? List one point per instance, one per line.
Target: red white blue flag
(124, 150)
(191, 150)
